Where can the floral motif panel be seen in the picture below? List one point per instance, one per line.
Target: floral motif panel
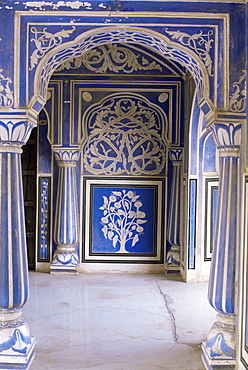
(126, 135)
(124, 220)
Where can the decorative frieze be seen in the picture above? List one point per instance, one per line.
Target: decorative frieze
(238, 98)
(45, 41)
(200, 43)
(111, 58)
(109, 36)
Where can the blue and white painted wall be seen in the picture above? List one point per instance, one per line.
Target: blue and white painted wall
(118, 131)
(123, 105)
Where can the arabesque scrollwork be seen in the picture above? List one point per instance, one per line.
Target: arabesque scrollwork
(238, 98)
(126, 136)
(123, 36)
(6, 95)
(45, 41)
(199, 42)
(111, 58)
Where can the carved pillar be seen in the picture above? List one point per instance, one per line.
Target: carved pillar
(173, 258)
(219, 350)
(16, 344)
(66, 229)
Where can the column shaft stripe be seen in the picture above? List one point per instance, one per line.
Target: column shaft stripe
(170, 213)
(65, 205)
(75, 201)
(227, 236)
(10, 257)
(177, 229)
(58, 211)
(69, 200)
(214, 275)
(21, 225)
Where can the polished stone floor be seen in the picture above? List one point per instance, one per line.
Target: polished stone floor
(117, 322)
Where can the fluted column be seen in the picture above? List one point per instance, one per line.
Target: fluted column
(66, 224)
(173, 258)
(220, 349)
(16, 344)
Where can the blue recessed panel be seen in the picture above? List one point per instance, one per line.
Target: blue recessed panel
(214, 199)
(209, 155)
(123, 220)
(44, 219)
(192, 224)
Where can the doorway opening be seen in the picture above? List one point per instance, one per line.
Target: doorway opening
(29, 177)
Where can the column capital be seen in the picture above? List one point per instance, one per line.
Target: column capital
(66, 156)
(175, 155)
(14, 132)
(227, 136)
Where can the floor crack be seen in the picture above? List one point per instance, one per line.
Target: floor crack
(172, 316)
(173, 321)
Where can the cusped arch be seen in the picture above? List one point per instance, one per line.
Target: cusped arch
(108, 35)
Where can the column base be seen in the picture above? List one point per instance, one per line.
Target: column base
(172, 265)
(16, 344)
(65, 262)
(219, 349)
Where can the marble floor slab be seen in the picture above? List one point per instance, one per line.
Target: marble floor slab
(117, 322)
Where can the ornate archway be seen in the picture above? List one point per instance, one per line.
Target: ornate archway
(49, 62)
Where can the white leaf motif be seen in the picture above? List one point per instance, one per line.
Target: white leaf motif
(135, 239)
(117, 193)
(104, 230)
(126, 204)
(115, 239)
(110, 235)
(140, 229)
(141, 221)
(105, 199)
(135, 198)
(141, 214)
(131, 214)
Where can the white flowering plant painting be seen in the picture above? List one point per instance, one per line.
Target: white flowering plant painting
(123, 219)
